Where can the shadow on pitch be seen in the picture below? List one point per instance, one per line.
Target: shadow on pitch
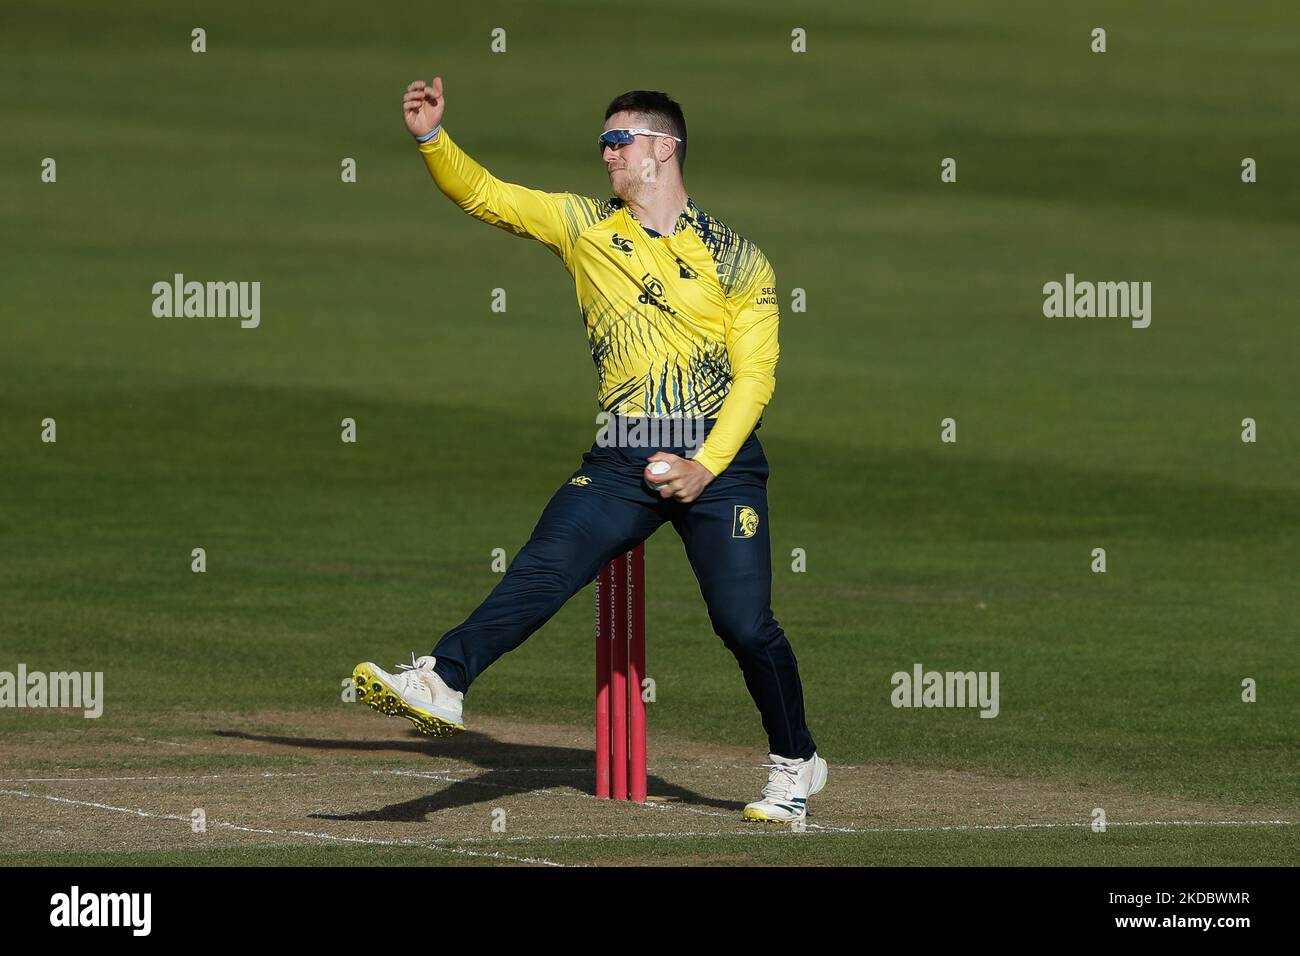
(505, 769)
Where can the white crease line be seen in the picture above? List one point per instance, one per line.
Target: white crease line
(1051, 826)
(469, 768)
(476, 782)
(785, 830)
(219, 824)
(96, 806)
(441, 843)
(445, 777)
(459, 768)
(422, 844)
(681, 834)
(681, 808)
(469, 776)
(267, 775)
(661, 807)
(448, 776)
(204, 776)
(168, 743)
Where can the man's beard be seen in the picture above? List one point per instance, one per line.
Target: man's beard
(627, 185)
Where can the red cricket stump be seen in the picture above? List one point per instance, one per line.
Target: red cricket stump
(620, 668)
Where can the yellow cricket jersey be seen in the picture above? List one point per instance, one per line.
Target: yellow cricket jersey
(679, 325)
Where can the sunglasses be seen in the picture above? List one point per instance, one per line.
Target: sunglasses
(618, 138)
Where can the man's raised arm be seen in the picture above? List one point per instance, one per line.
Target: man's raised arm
(553, 219)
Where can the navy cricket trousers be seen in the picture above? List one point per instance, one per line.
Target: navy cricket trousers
(605, 509)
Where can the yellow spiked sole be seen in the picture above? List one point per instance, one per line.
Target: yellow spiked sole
(753, 813)
(373, 692)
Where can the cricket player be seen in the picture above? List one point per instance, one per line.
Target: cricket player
(681, 314)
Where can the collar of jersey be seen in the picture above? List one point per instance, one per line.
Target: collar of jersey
(685, 218)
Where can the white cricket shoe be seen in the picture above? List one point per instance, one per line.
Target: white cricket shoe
(418, 694)
(790, 782)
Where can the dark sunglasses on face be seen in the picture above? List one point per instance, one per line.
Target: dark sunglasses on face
(616, 139)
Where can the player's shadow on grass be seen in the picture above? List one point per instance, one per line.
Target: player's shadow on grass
(506, 769)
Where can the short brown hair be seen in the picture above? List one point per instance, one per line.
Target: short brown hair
(660, 110)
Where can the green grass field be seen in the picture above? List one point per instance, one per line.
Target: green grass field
(1120, 690)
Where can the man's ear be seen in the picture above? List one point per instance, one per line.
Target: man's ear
(670, 147)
